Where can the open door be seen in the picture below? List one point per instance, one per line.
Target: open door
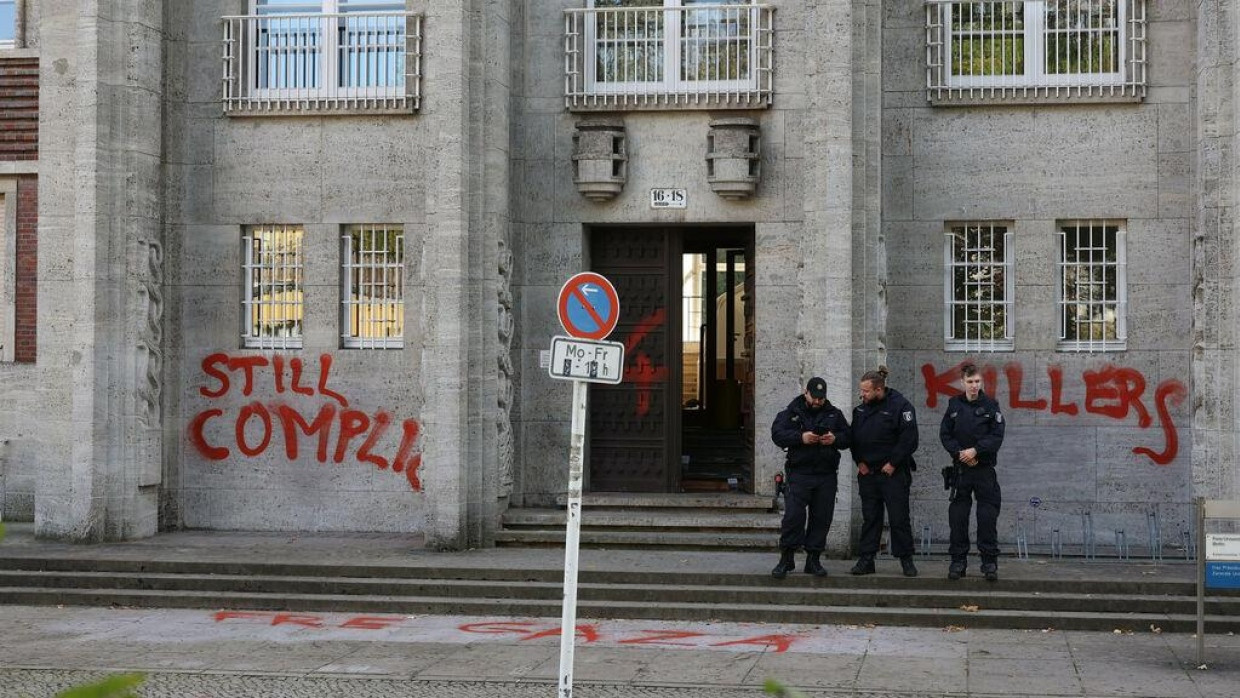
(716, 346)
(682, 420)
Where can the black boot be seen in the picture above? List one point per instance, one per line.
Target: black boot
(956, 569)
(990, 570)
(907, 566)
(865, 565)
(787, 563)
(813, 565)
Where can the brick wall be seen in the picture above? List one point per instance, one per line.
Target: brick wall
(26, 316)
(19, 108)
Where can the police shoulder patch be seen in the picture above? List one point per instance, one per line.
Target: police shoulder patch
(998, 416)
(908, 416)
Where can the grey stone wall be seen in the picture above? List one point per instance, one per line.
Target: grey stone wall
(1216, 276)
(321, 172)
(146, 189)
(98, 395)
(806, 212)
(1030, 167)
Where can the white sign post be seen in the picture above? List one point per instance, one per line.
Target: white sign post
(588, 308)
(572, 538)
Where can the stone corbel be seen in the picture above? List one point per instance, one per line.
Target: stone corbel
(734, 157)
(600, 158)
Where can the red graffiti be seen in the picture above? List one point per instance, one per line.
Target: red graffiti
(589, 634)
(641, 370)
(306, 620)
(662, 637)
(522, 630)
(1110, 391)
(357, 433)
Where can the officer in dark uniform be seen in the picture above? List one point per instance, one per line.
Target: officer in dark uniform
(972, 432)
(884, 431)
(812, 431)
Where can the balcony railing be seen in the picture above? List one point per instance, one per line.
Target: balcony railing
(1035, 49)
(367, 62)
(703, 56)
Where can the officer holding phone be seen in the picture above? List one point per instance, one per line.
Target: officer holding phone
(811, 431)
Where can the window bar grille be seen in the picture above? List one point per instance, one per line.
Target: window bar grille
(649, 57)
(979, 288)
(373, 288)
(1035, 48)
(272, 298)
(334, 61)
(1091, 286)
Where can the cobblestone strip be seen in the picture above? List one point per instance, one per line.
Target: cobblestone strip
(38, 683)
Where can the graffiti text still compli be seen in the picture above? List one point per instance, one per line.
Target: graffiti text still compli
(357, 433)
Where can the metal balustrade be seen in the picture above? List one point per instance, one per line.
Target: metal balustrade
(708, 56)
(367, 62)
(1038, 49)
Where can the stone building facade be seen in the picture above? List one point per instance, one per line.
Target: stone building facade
(297, 263)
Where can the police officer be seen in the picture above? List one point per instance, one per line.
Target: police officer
(884, 431)
(812, 431)
(972, 432)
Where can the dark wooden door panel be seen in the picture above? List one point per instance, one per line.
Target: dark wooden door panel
(632, 424)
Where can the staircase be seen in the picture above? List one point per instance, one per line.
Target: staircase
(1055, 595)
(724, 521)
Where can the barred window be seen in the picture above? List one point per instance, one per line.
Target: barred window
(272, 301)
(8, 23)
(372, 291)
(1092, 293)
(988, 48)
(978, 288)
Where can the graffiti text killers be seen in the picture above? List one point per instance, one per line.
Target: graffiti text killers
(1110, 391)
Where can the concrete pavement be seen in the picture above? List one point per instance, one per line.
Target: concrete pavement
(247, 653)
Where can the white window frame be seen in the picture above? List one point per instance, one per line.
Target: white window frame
(1116, 270)
(1034, 54)
(673, 12)
(329, 47)
(8, 269)
(272, 296)
(391, 307)
(1080, 34)
(984, 257)
(11, 43)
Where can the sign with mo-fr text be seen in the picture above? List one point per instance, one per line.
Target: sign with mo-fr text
(586, 360)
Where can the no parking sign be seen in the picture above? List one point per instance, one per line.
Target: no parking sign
(588, 306)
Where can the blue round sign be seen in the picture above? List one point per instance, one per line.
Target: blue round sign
(588, 306)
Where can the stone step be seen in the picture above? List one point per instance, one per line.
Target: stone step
(688, 540)
(774, 594)
(725, 500)
(931, 578)
(648, 519)
(590, 609)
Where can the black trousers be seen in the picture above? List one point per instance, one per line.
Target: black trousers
(879, 491)
(809, 508)
(982, 484)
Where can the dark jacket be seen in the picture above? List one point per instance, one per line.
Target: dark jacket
(885, 432)
(796, 419)
(977, 424)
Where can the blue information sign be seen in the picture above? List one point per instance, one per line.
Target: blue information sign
(1223, 575)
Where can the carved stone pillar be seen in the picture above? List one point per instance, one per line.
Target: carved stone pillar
(100, 341)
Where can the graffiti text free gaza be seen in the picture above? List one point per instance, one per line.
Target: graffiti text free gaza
(255, 424)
